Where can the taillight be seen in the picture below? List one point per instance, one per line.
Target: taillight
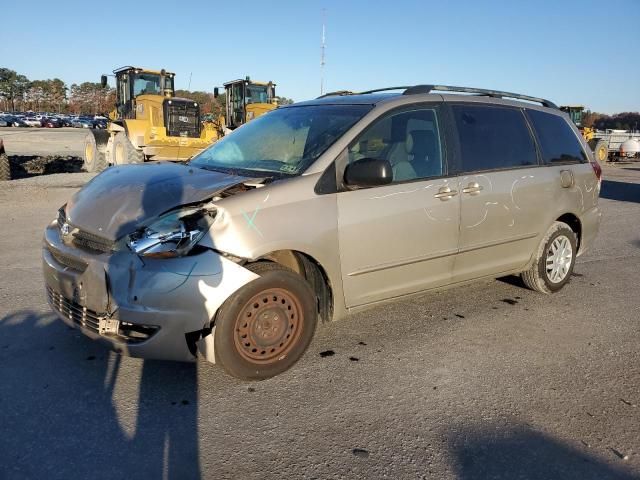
(597, 169)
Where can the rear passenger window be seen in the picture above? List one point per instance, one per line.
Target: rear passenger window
(557, 139)
(493, 138)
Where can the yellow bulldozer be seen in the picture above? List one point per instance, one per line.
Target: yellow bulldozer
(148, 122)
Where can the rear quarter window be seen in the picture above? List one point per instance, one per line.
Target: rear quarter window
(558, 142)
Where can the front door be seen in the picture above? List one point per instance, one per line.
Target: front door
(399, 238)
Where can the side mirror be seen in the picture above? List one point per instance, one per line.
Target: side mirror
(368, 172)
(216, 92)
(103, 81)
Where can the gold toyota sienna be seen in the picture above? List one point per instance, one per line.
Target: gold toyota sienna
(317, 210)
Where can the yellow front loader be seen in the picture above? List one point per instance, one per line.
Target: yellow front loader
(247, 99)
(148, 123)
(600, 146)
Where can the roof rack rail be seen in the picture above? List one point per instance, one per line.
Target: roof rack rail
(417, 89)
(382, 90)
(349, 92)
(337, 93)
(423, 89)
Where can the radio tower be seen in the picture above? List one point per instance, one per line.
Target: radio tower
(322, 47)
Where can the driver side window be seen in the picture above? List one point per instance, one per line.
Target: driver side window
(408, 140)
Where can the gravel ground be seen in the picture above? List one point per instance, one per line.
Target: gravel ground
(484, 381)
(44, 141)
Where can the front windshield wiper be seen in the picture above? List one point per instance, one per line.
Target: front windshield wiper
(207, 167)
(244, 172)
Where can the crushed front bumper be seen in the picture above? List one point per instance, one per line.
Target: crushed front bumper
(151, 308)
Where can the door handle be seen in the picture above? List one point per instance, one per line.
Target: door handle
(473, 188)
(445, 193)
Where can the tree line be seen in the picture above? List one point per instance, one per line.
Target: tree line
(617, 121)
(18, 93)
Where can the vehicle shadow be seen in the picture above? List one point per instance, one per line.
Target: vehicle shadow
(72, 409)
(78, 410)
(514, 280)
(620, 191)
(491, 451)
(165, 444)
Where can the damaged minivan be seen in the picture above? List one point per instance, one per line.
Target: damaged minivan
(317, 210)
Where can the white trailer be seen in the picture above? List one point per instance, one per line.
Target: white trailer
(606, 145)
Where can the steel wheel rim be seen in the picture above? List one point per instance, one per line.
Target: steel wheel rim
(559, 258)
(268, 326)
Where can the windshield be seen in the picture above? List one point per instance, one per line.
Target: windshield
(284, 141)
(149, 84)
(257, 94)
(576, 116)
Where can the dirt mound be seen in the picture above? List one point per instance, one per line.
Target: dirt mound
(29, 166)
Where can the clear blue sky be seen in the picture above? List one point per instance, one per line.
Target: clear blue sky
(580, 52)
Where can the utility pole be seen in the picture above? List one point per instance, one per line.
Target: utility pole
(322, 48)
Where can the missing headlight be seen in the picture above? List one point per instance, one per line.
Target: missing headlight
(171, 235)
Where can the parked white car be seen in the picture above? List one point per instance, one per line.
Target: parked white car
(32, 122)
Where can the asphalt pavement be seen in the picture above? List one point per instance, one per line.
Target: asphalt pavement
(488, 380)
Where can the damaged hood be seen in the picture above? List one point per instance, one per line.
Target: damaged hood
(118, 200)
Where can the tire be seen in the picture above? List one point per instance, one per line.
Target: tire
(5, 167)
(124, 152)
(601, 151)
(538, 277)
(242, 346)
(95, 144)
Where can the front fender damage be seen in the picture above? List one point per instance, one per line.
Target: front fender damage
(215, 290)
(225, 239)
(231, 279)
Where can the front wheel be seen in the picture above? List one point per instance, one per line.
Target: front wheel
(265, 327)
(94, 151)
(554, 260)
(124, 152)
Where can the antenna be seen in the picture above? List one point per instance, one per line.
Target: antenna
(322, 48)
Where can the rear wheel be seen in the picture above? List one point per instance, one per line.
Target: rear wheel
(5, 167)
(95, 144)
(554, 260)
(124, 152)
(265, 327)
